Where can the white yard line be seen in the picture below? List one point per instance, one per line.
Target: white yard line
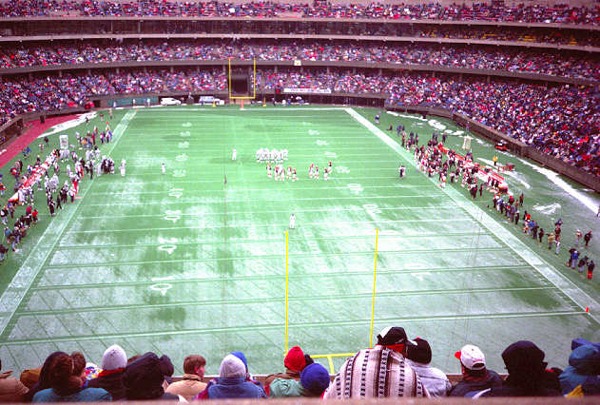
(563, 284)
(19, 286)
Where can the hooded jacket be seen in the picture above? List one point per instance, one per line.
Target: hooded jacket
(527, 375)
(583, 369)
(143, 379)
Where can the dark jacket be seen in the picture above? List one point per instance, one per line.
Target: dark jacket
(489, 379)
(111, 381)
(527, 375)
(143, 379)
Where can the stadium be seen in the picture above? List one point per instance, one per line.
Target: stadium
(210, 177)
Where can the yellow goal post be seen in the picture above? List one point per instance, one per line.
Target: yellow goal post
(247, 97)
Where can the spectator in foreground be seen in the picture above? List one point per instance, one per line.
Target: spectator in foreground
(583, 370)
(232, 382)
(287, 383)
(314, 380)
(379, 372)
(114, 361)
(527, 375)
(66, 386)
(43, 381)
(191, 383)
(167, 369)
(30, 377)
(143, 379)
(11, 389)
(419, 355)
(476, 377)
(79, 369)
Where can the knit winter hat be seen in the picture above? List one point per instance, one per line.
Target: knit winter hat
(114, 358)
(419, 351)
(242, 357)
(471, 357)
(294, 360)
(315, 379)
(232, 366)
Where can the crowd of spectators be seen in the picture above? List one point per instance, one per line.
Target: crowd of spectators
(521, 35)
(562, 121)
(480, 58)
(493, 11)
(395, 366)
(559, 120)
(548, 36)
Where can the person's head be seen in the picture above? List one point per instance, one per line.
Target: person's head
(30, 377)
(114, 358)
(419, 351)
(61, 374)
(394, 338)
(524, 362)
(194, 364)
(295, 360)
(472, 360)
(166, 366)
(232, 367)
(143, 378)
(79, 365)
(314, 380)
(242, 357)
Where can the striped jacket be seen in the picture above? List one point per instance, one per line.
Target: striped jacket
(376, 373)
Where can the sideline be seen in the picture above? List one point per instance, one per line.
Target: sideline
(20, 285)
(34, 130)
(563, 284)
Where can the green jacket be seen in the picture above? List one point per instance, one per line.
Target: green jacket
(281, 388)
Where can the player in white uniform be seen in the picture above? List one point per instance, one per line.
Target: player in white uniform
(163, 168)
(292, 221)
(122, 167)
(234, 154)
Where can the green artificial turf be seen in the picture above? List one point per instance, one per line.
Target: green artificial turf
(194, 260)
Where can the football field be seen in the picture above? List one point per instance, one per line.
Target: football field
(200, 258)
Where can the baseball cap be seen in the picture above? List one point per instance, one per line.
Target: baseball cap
(392, 335)
(471, 357)
(419, 350)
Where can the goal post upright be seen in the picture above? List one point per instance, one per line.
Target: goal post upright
(329, 357)
(251, 95)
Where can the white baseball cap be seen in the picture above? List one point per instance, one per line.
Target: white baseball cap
(471, 357)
